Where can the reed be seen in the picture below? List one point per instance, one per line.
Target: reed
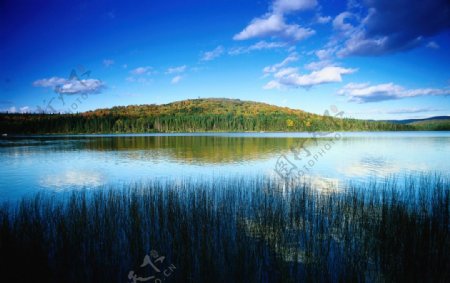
(232, 230)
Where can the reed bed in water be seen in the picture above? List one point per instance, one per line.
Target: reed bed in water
(231, 230)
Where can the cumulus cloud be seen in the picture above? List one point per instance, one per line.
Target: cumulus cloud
(141, 70)
(176, 70)
(108, 62)
(176, 79)
(273, 25)
(71, 86)
(393, 26)
(364, 93)
(213, 54)
(260, 45)
(289, 77)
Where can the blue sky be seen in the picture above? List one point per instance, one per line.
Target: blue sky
(374, 59)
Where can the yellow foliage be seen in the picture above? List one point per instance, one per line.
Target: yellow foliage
(290, 123)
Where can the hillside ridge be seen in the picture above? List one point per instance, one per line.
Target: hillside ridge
(198, 115)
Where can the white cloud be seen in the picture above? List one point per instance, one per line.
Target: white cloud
(260, 45)
(108, 62)
(285, 72)
(290, 78)
(274, 68)
(395, 111)
(25, 109)
(51, 82)
(140, 75)
(325, 59)
(175, 70)
(353, 4)
(141, 70)
(273, 25)
(363, 93)
(358, 44)
(433, 45)
(80, 86)
(339, 22)
(380, 27)
(211, 55)
(323, 54)
(411, 110)
(287, 6)
(71, 86)
(176, 79)
(13, 109)
(272, 85)
(317, 65)
(266, 45)
(371, 28)
(323, 19)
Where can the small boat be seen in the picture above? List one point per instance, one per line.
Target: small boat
(4, 135)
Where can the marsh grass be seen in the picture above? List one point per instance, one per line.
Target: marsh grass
(232, 230)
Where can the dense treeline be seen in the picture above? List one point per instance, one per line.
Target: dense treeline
(433, 125)
(197, 115)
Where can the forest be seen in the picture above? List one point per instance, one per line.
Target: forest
(194, 115)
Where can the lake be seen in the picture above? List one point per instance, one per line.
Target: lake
(29, 164)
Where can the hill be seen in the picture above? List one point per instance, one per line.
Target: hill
(432, 125)
(436, 123)
(193, 115)
(215, 106)
(411, 121)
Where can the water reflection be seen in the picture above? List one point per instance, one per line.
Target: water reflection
(73, 178)
(42, 162)
(194, 149)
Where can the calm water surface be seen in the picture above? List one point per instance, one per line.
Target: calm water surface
(53, 163)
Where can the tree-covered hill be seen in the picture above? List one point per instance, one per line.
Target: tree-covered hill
(436, 123)
(432, 125)
(193, 115)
